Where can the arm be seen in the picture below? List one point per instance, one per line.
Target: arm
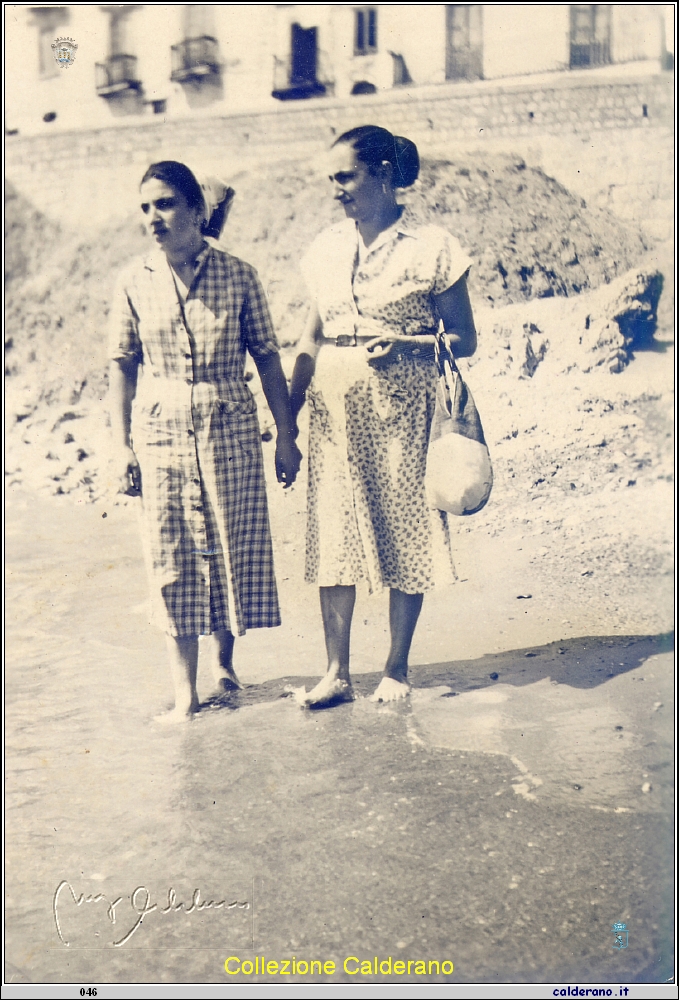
(306, 361)
(288, 456)
(458, 321)
(455, 310)
(122, 387)
(260, 339)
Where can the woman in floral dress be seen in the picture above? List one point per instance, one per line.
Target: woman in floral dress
(380, 284)
(186, 431)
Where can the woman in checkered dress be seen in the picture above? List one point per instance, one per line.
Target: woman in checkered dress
(381, 284)
(187, 434)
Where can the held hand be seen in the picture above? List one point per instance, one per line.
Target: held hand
(377, 349)
(129, 473)
(288, 460)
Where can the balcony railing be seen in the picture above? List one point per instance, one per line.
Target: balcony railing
(592, 54)
(117, 74)
(195, 59)
(291, 86)
(465, 64)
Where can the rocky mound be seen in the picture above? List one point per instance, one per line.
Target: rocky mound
(529, 236)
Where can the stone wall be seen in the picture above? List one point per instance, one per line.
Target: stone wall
(606, 136)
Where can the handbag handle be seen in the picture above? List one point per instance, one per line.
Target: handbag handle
(443, 353)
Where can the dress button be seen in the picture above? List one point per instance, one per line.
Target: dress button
(187, 356)
(196, 482)
(189, 381)
(190, 432)
(198, 507)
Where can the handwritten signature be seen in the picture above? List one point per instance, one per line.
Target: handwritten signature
(140, 901)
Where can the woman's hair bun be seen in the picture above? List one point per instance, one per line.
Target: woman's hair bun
(374, 145)
(407, 162)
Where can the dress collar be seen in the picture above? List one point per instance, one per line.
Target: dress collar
(157, 261)
(402, 227)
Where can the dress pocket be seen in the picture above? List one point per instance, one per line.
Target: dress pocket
(237, 408)
(389, 397)
(237, 418)
(150, 426)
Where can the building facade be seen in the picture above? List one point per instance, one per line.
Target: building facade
(134, 62)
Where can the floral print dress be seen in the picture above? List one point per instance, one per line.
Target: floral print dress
(368, 517)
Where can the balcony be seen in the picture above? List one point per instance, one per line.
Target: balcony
(295, 86)
(591, 54)
(195, 59)
(295, 78)
(299, 91)
(117, 75)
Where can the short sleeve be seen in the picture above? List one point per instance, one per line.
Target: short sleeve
(124, 341)
(255, 321)
(327, 265)
(309, 267)
(451, 261)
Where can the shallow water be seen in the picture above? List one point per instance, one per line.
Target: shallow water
(450, 827)
(597, 745)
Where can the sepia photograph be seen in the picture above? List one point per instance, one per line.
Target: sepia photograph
(339, 498)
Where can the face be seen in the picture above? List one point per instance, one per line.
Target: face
(168, 218)
(361, 193)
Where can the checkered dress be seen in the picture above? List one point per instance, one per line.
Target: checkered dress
(196, 435)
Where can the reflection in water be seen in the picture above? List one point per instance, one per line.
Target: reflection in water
(581, 744)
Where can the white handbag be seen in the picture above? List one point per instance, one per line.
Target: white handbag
(459, 475)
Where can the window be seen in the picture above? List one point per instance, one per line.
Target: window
(464, 48)
(117, 34)
(296, 78)
(365, 31)
(590, 34)
(198, 20)
(48, 20)
(196, 59)
(364, 87)
(401, 75)
(118, 75)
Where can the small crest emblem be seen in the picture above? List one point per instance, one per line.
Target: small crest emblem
(621, 936)
(64, 50)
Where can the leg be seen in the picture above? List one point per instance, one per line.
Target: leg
(222, 663)
(404, 611)
(337, 609)
(183, 652)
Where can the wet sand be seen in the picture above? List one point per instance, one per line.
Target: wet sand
(503, 819)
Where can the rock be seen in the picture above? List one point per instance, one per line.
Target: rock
(535, 348)
(625, 320)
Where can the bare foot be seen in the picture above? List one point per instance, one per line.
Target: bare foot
(330, 691)
(176, 716)
(228, 682)
(389, 689)
(299, 694)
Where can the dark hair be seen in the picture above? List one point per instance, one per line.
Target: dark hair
(373, 145)
(179, 178)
